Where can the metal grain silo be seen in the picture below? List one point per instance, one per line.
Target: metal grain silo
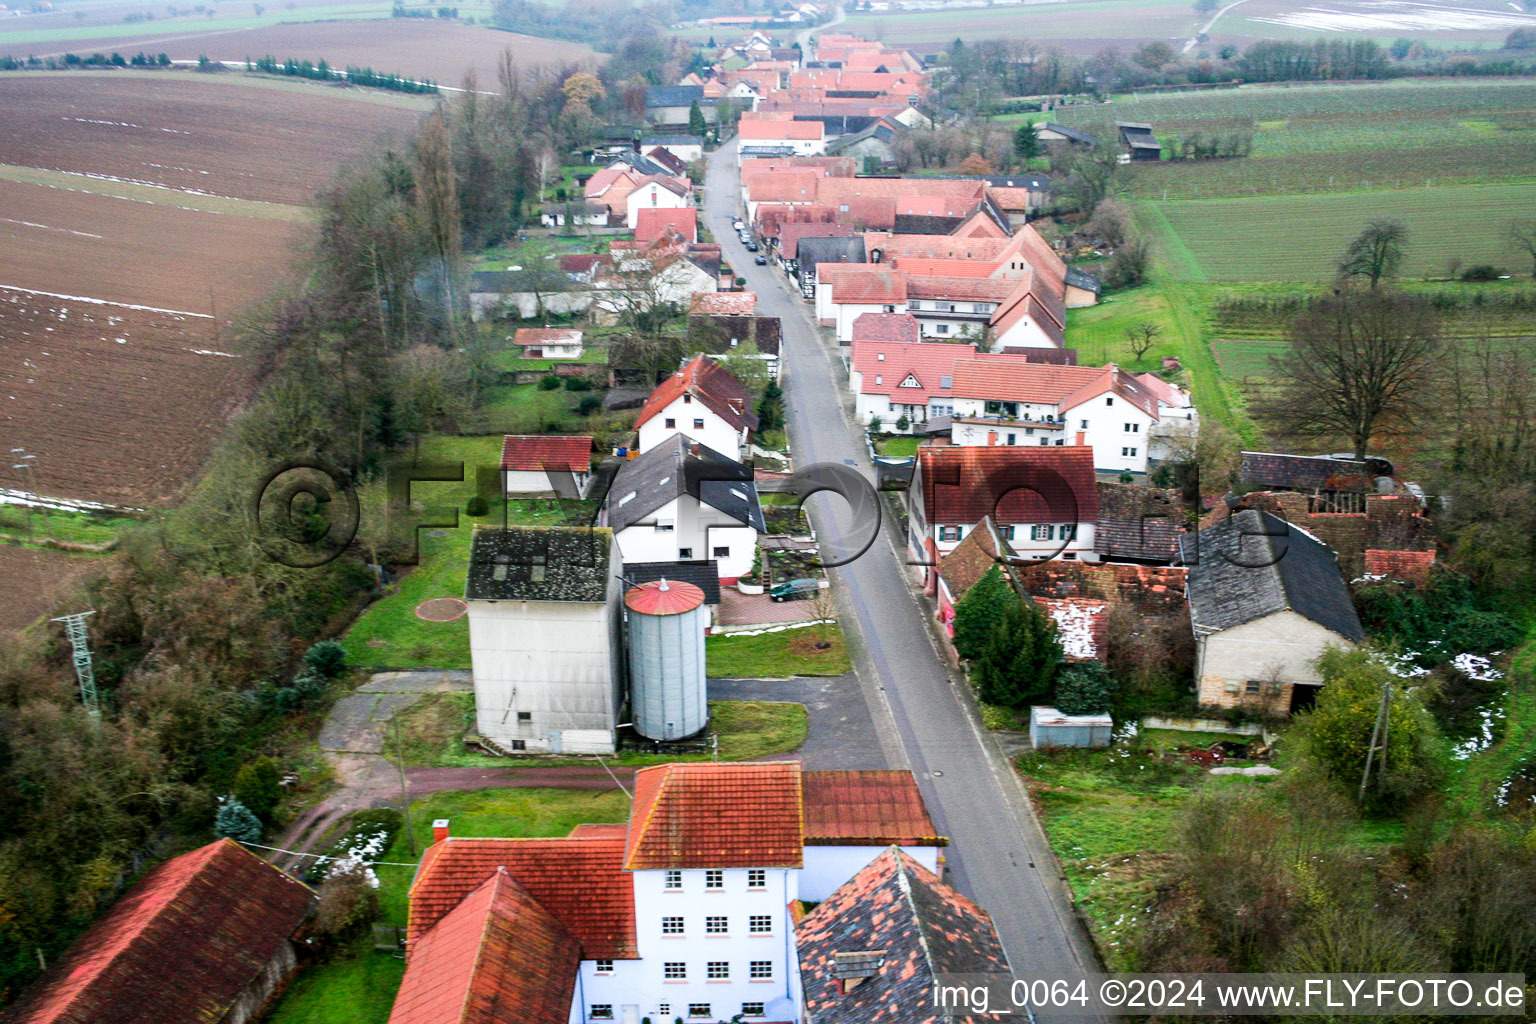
(667, 697)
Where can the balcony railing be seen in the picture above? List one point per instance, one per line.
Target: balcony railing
(1009, 421)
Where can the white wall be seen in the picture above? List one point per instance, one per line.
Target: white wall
(1107, 416)
(845, 313)
(827, 867)
(1280, 646)
(696, 527)
(642, 982)
(716, 433)
(484, 304)
(522, 483)
(555, 660)
(651, 196)
(1023, 542)
(1025, 331)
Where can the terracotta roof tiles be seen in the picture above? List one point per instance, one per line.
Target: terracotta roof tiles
(532, 452)
(866, 808)
(746, 814)
(712, 384)
(962, 483)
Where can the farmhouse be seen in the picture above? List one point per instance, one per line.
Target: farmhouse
(206, 936)
(609, 922)
(893, 375)
(672, 224)
(1019, 403)
(575, 213)
(544, 638)
(682, 500)
(670, 105)
(548, 342)
(1041, 500)
(800, 138)
(1265, 598)
(656, 192)
(703, 402)
(546, 465)
(686, 148)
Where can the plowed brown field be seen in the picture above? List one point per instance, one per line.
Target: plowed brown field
(189, 131)
(33, 579)
(121, 405)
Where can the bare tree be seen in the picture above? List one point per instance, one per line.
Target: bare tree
(1522, 233)
(1141, 337)
(437, 196)
(1376, 254)
(1111, 222)
(1360, 361)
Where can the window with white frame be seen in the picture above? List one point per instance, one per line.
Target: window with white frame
(1045, 441)
(760, 924)
(761, 970)
(601, 1011)
(1067, 531)
(942, 328)
(1129, 453)
(604, 967)
(672, 926)
(718, 970)
(674, 879)
(685, 553)
(757, 878)
(714, 878)
(715, 924)
(1084, 426)
(698, 423)
(698, 1010)
(1133, 428)
(753, 1009)
(1040, 531)
(721, 552)
(674, 970)
(949, 533)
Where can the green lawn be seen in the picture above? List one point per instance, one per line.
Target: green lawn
(357, 990)
(506, 812)
(1471, 788)
(388, 633)
(789, 652)
(90, 528)
(898, 446)
(1299, 238)
(432, 733)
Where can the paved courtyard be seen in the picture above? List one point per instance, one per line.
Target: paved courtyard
(738, 609)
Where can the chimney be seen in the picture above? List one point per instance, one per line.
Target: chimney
(439, 830)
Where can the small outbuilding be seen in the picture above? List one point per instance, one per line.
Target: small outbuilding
(1049, 727)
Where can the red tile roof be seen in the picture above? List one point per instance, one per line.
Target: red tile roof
(497, 956)
(180, 945)
(581, 881)
(838, 190)
(528, 453)
(603, 179)
(898, 327)
(938, 247)
(605, 830)
(716, 816)
(962, 483)
(782, 187)
(651, 225)
(966, 289)
(943, 268)
(865, 283)
(866, 808)
(1009, 381)
(894, 362)
(581, 263)
(756, 128)
(526, 336)
(711, 384)
(724, 303)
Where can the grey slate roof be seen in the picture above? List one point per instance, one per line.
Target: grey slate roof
(1254, 564)
(539, 563)
(1076, 135)
(672, 140)
(1303, 472)
(810, 252)
(1034, 182)
(1082, 279)
(680, 466)
(703, 573)
(673, 95)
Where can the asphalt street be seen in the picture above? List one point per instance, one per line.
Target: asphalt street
(921, 719)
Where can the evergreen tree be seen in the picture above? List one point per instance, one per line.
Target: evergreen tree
(1084, 688)
(1019, 662)
(259, 786)
(770, 408)
(903, 424)
(695, 119)
(978, 610)
(235, 821)
(1026, 144)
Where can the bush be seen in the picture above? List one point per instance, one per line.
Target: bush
(235, 821)
(1481, 272)
(978, 611)
(577, 384)
(347, 906)
(259, 786)
(1019, 662)
(1084, 688)
(476, 507)
(326, 658)
(549, 383)
(588, 405)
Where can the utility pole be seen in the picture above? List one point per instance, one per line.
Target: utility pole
(80, 647)
(405, 796)
(1380, 733)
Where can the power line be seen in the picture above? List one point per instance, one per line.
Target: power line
(327, 856)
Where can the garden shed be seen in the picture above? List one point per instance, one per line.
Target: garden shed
(1050, 728)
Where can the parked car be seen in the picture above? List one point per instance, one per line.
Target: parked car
(761, 260)
(794, 590)
(751, 247)
(736, 223)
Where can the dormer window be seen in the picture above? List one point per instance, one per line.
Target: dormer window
(853, 968)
